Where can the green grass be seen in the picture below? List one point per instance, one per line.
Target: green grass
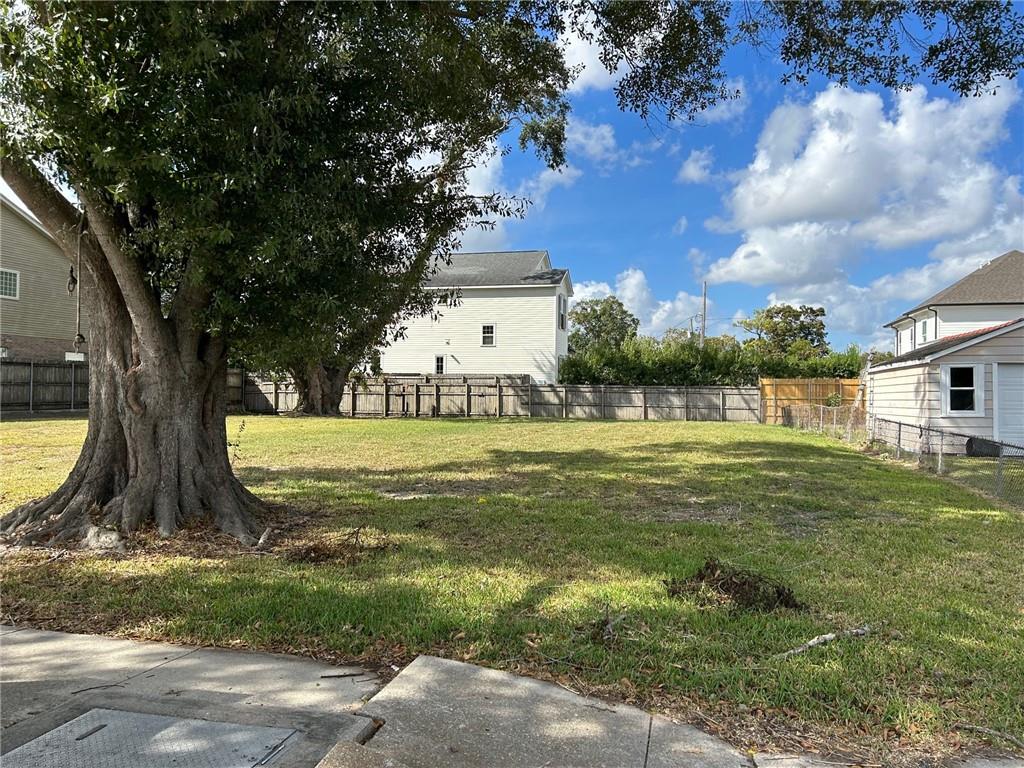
(526, 532)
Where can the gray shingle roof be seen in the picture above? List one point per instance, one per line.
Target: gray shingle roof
(946, 342)
(1000, 281)
(467, 270)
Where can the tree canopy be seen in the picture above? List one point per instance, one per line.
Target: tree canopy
(783, 330)
(600, 322)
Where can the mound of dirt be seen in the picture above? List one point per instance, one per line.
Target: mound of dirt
(721, 584)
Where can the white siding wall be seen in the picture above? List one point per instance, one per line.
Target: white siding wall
(562, 336)
(914, 395)
(524, 319)
(905, 343)
(953, 320)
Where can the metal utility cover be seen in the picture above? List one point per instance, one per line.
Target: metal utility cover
(110, 738)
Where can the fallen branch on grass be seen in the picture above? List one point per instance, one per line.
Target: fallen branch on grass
(990, 732)
(822, 639)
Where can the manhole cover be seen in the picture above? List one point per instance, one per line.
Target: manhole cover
(110, 738)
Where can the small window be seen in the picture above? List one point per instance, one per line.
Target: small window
(563, 307)
(924, 331)
(487, 335)
(962, 390)
(9, 286)
(439, 365)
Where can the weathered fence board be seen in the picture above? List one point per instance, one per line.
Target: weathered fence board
(479, 396)
(31, 386)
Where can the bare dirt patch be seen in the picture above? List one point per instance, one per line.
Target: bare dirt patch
(716, 583)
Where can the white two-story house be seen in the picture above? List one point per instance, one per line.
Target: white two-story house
(511, 318)
(959, 361)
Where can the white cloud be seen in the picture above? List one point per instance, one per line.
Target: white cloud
(730, 109)
(486, 177)
(586, 56)
(632, 289)
(597, 143)
(844, 175)
(680, 226)
(696, 169)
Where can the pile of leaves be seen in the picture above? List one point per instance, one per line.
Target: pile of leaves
(716, 583)
(341, 548)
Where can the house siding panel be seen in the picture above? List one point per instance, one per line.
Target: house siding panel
(954, 320)
(42, 320)
(526, 335)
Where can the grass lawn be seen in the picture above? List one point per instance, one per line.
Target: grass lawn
(511, 544)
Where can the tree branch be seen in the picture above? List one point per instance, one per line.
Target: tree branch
(56, 213)
(143, 308)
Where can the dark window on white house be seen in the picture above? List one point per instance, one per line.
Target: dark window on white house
(487, 335)
(439, 365)
(9, 284)
(924, 331)
(563, 307)
(962, 390)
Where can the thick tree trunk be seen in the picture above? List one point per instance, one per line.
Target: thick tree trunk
(156, 448)
(155, 453)
(319, 388)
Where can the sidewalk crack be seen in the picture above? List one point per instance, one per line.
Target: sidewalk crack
(650, 727)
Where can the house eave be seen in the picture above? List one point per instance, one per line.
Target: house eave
(928, 359)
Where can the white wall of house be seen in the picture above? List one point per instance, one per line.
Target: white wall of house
(927, 326)
(962, 319)
(527, 339)
(918, 393)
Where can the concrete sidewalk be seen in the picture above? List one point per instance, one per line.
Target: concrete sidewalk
(50, 678)
(80, 700)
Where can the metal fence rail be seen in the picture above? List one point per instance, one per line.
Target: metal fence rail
(997, 468)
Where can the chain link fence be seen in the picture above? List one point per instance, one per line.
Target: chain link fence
(997, 468)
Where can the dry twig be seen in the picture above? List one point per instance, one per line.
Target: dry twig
(992, 732)
(822, 639)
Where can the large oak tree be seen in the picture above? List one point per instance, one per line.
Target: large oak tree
(250, 175)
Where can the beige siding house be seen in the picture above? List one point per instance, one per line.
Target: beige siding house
(970, 379)
(37, 314)
(511, 318)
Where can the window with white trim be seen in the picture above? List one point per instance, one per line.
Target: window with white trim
(963, 390)
(487, 335)
(563, 309)
(924, 331)
(439, 365)
(10, 284)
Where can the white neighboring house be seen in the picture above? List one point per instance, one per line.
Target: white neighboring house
(959, 361)
(512, 319)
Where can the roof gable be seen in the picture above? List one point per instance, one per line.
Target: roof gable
(1000, 281)
(496, 268)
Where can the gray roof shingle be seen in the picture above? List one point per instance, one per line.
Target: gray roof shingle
(1000, 281)
(467, 270)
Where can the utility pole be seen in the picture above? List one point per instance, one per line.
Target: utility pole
(704, 314)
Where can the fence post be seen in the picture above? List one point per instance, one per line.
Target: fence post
(721, 405)
(999, 473)
(643, 393)
(942, 446)
(686, 403)
(497, 387)
(72, 386)
(469, 403)
(31, 385)
(899, 438)
(565, 402)
(385, 398)
(352, 404)
(416, 399)
(529, 397)
(437, 399)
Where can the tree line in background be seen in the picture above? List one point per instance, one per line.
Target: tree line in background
(785, 342)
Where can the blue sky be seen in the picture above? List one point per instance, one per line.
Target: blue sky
(858, 199)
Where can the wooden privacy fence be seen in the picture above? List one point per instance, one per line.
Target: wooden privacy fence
(489, 396)
(31, 386)
(779, 394)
